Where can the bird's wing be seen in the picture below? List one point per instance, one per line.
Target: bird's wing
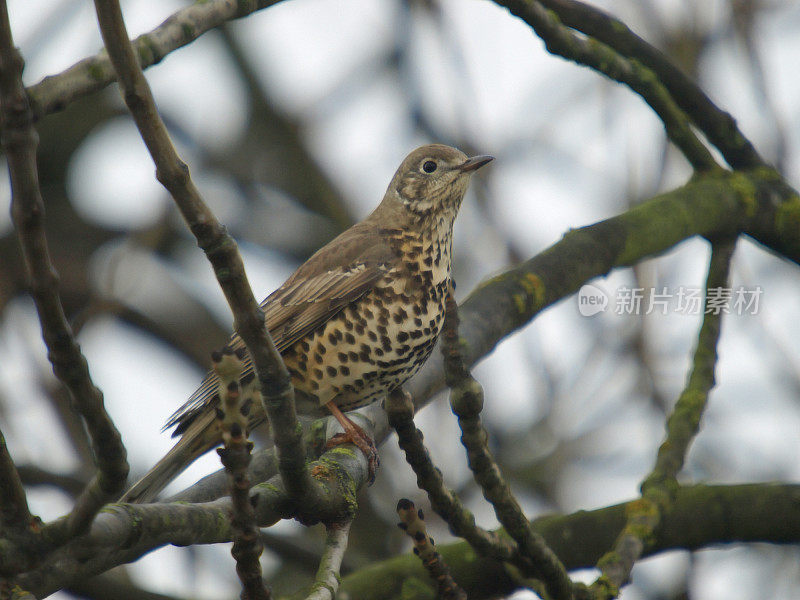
(315, 293)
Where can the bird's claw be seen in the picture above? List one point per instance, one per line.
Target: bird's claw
(363, 442)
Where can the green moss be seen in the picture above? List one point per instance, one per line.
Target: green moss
(147, 50)
(602, 587)
(273, 489)
(189, 32)
(97, 71)
(767, 173)
(349, 451)
(787, 220)
(328, 469)
(535, 287)
(416, 589)
(746, 191)
(520, 303)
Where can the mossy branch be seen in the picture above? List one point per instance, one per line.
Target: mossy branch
(603, 58)
(718, 126)
(659, 488)
(701, 516)
(466, 400)
(122, 533)
(715, 205)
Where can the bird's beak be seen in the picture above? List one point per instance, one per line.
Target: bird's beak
(474, 163)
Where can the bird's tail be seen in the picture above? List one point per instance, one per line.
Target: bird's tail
(203, 434)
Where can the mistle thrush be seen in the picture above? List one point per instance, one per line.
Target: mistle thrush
(356, 320)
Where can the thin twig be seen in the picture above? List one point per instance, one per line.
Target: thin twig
(412, 521)
(601, 57)
(466, 400)
(236, 400)
(33, 475)
(55, 92)
(326, 583)
(719, 127)
(400, 410)
(14, 511)
(660, 486)
(19, 140)
(220, 248)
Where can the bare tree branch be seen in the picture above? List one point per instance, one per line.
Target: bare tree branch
(412, 521)
(560, 40)
(718, 126)
(219, 247)
(55, 92)
(461, 520)
(19, 140)
(236, 399)
(14, 512)
(327, 580)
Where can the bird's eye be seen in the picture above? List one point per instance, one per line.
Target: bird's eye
(429, 166)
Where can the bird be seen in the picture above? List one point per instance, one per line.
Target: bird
(355, 321)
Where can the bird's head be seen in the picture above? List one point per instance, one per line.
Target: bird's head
(432, 180)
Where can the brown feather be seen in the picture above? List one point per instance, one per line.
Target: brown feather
(314, 293)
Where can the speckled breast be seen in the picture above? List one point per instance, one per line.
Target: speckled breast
(381, 340)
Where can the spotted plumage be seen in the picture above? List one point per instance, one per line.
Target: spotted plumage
(360, 317)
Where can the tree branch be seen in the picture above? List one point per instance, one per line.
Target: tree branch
(20, 140)
(412, 521)
(326, 583)
(719, 127)
(659, 486)
(701, 517)
(237, 394)
(220, 248)
(602, 58)
(444, 501)
(124, 532)
(55, 92)
(466, 401)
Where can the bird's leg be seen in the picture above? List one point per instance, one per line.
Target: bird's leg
(355, 435)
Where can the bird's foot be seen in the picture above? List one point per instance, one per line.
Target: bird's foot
(353, 434)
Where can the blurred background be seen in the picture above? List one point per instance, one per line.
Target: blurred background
(293, 120)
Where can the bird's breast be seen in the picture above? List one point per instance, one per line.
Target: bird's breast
(380, 340)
